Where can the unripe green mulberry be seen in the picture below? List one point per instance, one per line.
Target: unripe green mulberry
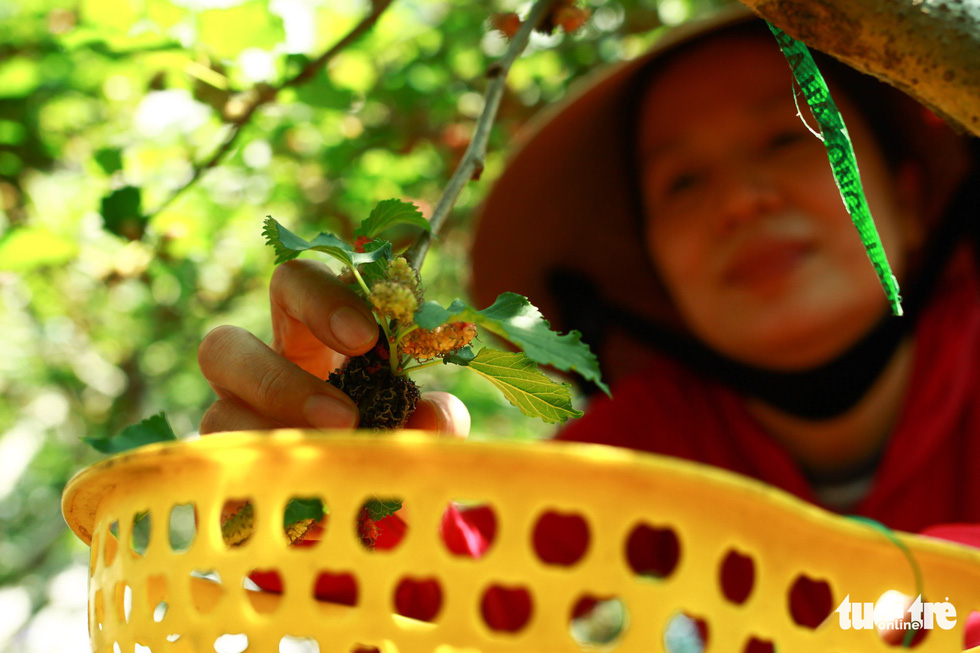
(399, 293)
(394, 300)
(399, 271)
(384, 400)
(445, 340)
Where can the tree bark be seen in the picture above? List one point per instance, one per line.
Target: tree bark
(928, 48)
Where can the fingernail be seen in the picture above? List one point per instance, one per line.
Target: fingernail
(326, 412)
(351, 328)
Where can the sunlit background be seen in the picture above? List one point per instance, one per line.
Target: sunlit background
(119, 250)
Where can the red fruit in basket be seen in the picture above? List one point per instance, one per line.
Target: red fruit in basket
(367, 529)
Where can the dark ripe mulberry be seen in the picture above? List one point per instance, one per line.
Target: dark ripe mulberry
(384, 400)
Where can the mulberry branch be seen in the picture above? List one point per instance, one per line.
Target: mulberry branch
(471, 165)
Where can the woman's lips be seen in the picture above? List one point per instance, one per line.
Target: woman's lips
(763, 262)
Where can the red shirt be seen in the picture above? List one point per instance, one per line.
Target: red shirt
(928, 474)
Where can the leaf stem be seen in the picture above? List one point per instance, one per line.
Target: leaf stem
(471, 165)
(404, 332)
(360, 281)
(393, 361)
(420, 366)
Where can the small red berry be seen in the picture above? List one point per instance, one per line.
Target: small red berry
(508, 23)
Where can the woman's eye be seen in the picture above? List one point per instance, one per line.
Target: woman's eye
(785, 139)
(682, 182)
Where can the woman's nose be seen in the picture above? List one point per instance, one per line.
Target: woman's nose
(745, 194)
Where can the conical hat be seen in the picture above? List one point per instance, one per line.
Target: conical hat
(563, 202)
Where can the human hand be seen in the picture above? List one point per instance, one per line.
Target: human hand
(316, 323)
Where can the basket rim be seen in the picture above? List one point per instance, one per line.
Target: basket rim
(85, 490)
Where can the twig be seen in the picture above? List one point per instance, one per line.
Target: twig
(471, 165)
(262, 95)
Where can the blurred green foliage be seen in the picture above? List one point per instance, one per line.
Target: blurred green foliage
(108, 108)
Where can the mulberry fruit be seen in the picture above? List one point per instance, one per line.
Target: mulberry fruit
(399, 293)
(384, 399)
(445, 340)
(399, 271)
(394, 300)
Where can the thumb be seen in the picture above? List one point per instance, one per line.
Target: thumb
(441, 412)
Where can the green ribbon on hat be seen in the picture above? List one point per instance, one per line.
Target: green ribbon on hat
(841, 155)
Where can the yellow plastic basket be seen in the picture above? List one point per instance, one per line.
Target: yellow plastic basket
(155, 598)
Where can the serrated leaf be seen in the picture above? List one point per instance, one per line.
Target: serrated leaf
(515, 319)
(378, 509)
(389, 213)
(463, 357)
(288, 246)
(150, 430)
(298, 510)
(376, 270)
(525, 386)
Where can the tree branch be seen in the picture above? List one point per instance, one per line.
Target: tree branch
(261, 95)
(927, 49)
(471, 165)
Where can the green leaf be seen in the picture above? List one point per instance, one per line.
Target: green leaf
(525, 386)
(389, 213)
(431, 314)
(109, 159)
(122, 214)
(150, 430)
(515, 319)
(463, 357)
(378, 509)
(298, 510)
(288, 246)
(29, 248)
(228, 32)
(376, 270)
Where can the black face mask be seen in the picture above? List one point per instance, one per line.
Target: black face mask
(822, 392)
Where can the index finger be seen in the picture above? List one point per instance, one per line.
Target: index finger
(316, 320)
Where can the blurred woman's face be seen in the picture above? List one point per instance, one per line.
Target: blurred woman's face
(744, 221)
